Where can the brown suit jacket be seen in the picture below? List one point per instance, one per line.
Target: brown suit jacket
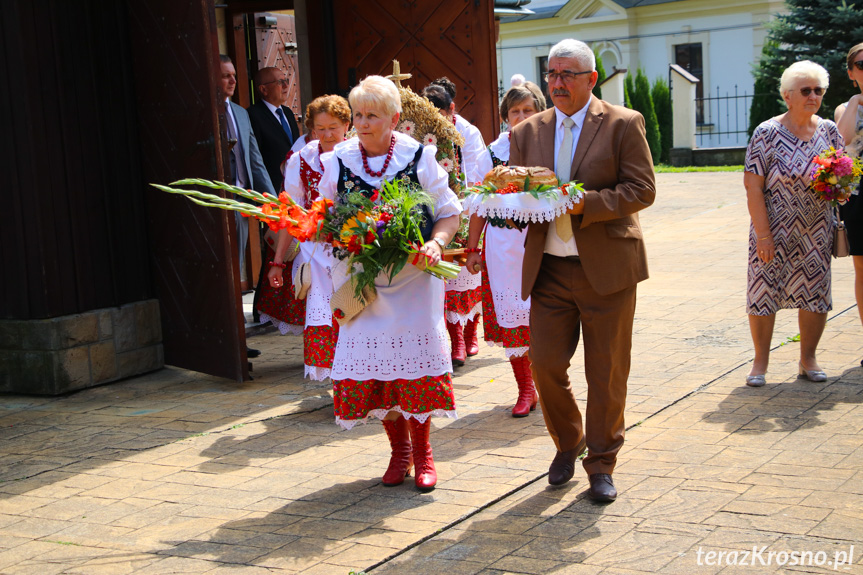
(612, 160)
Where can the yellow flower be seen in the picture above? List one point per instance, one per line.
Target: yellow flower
(353, 226)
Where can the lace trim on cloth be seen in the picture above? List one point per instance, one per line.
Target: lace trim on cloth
(316, 373)
(509, 315)
(284, 328)
(464, 281)
(510, 352)
(461, 318)
(376, 356)
(520, 206)
(349, 424)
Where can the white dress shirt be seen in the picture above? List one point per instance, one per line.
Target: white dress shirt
(553, 244)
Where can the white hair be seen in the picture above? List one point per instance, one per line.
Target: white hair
(803, 70)
(376, 93)
(516, 80)
(577, 49)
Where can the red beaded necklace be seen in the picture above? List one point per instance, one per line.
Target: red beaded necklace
(386, 161)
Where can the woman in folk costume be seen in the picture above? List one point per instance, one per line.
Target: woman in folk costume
(391, 359)
(463, 294)
(329, 117)
(506, 317)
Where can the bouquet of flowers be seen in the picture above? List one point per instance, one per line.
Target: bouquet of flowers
(374, 236)
(835, 176)
(381, 234)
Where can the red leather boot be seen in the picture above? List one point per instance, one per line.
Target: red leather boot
(470, 342)
(527, 397)
(456, 336)
(401, 460)
(426, 476)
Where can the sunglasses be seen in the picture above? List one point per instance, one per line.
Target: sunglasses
(858, 64)
(819, 91)
(283, 83)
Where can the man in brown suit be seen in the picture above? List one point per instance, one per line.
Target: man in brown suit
(581, 270)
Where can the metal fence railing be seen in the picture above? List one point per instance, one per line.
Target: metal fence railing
(723, 120)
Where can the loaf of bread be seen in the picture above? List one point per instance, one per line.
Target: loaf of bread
(503, 175)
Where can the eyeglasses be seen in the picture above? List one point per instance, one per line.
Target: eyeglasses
(566, 75)
(819, 91)
(283, 83)
(859, 64)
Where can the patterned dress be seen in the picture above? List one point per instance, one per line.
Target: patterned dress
(506, 317)
(801, 224)
(394, 355)
(464, 293)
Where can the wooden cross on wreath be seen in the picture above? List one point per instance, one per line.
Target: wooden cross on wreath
(397, 76)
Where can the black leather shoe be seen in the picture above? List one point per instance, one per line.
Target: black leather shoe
(602, 488)
(252, 353)
(562, 467)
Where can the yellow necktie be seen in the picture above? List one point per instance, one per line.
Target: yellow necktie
(563, 224)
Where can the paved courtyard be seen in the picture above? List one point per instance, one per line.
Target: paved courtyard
(178, 472)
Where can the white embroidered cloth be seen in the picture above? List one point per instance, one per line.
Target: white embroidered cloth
(521, 206)
(504, 254)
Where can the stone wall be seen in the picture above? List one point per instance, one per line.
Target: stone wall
(57, 355)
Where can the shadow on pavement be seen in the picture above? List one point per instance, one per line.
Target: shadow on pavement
(793, 405)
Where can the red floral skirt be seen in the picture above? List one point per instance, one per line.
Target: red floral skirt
(319, 345)
(463, 302)
(492, 331)
(353, 400)
(279, 303)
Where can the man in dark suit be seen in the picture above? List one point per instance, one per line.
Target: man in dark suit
(247, 166)
(581, 270)
(273, 122)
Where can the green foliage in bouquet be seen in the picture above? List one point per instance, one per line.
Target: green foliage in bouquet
(381, 234)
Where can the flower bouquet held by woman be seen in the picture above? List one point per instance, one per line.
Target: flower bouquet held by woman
(835, 176)
(375, 234)
(378, 235)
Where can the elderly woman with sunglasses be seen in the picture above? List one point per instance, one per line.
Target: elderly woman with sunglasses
(791, 230)
(849, 119)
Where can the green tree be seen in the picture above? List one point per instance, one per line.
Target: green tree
(662, 105)
(643, 102)
(819, 30)
(628, 90)
(600, 70)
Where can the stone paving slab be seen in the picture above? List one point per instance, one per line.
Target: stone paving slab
(178, 472)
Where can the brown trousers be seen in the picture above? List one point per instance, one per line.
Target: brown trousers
(562, 304)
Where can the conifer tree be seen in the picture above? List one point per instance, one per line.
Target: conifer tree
(643, 102)
(628, 90)
(600, 70)
(819, 30)
(664, 115)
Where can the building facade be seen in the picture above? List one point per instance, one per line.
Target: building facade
(717, 42)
